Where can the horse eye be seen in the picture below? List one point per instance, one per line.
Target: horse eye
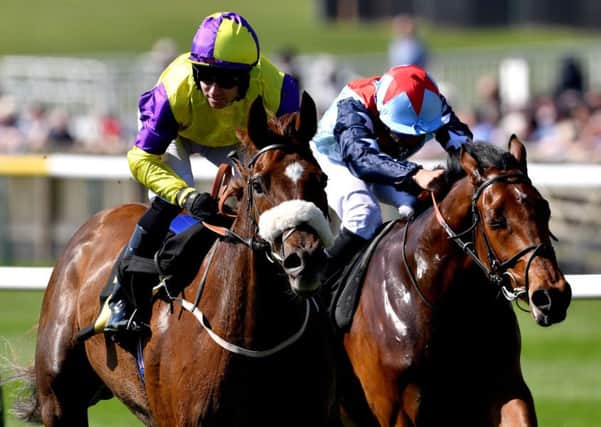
(498, 223)
(256, 186)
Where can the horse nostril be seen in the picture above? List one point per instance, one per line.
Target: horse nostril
(542, 299)
(293, 263)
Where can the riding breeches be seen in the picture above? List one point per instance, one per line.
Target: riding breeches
(356, 202)
(158, 217)
(177, 157)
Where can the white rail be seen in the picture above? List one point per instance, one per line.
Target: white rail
(84, 166)
(115, 167)
(36, 278)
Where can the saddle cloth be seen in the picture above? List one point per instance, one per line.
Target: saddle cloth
(346, 289)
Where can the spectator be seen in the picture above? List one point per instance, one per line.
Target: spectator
(12, 139)
(34, 125)
(163, 51)
(111, 134)
(325, 78)
(406, 48)
(288, 64)
(571, 77)
(87, 131)
(486, 124)
(60, 138)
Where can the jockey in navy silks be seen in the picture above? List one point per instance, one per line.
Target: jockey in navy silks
(363, 144)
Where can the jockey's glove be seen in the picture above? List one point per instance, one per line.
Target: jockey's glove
(200, 205)
(408, 184)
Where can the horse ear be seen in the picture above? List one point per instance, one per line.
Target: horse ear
(470, 166)
(517, 149)
(239, 168)
(306, 121)
(258, 131)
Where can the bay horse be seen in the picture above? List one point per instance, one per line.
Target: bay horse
(254, 351)
(434, 339)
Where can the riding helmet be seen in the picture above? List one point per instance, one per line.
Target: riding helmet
(225, 40)
(409, 102)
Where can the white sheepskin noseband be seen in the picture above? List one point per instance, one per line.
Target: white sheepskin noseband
(291, 213)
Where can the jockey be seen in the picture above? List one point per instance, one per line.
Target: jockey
(363, 143)
(199, 101)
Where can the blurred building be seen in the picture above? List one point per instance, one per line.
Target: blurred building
(472, 13)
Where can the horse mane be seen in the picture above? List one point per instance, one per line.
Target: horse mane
(487, 155)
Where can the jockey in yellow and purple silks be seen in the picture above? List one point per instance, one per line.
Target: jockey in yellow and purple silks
(199, 101)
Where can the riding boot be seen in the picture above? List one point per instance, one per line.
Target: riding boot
(130, 300)
(340, 253)
(338, 256)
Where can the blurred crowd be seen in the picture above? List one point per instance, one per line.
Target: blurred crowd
(563, 125)
(38, 128)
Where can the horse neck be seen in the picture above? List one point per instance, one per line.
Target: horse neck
(456, 206)
(249, 293)
(429, 241)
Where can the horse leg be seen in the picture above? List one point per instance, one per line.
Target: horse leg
(518, 410)
(409, 409)
(393, 410)
(66, 383)
(65, 390)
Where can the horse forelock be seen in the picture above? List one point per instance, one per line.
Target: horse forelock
(284, 125)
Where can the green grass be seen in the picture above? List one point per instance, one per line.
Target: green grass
(84, 27)
(18, 319)
(562, 364)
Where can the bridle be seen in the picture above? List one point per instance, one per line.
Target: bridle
(255, 243)
(264, 245)
(497, 273)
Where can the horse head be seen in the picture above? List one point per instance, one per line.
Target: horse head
(511, 235)
(283, 198)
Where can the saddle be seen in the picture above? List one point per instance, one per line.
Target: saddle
(189, 239)
(180, 255)
(347, 286)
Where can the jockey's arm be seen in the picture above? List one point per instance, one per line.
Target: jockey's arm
(158, 128)
(354, 132)
(455, 133)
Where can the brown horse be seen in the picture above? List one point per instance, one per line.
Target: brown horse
(433, 342)
(253, 352)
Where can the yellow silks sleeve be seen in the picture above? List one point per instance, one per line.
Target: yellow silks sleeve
(150, 170)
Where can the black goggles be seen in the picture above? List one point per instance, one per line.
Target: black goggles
(223, 78)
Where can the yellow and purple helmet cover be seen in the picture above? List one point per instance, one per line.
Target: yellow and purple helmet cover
(225, 40)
